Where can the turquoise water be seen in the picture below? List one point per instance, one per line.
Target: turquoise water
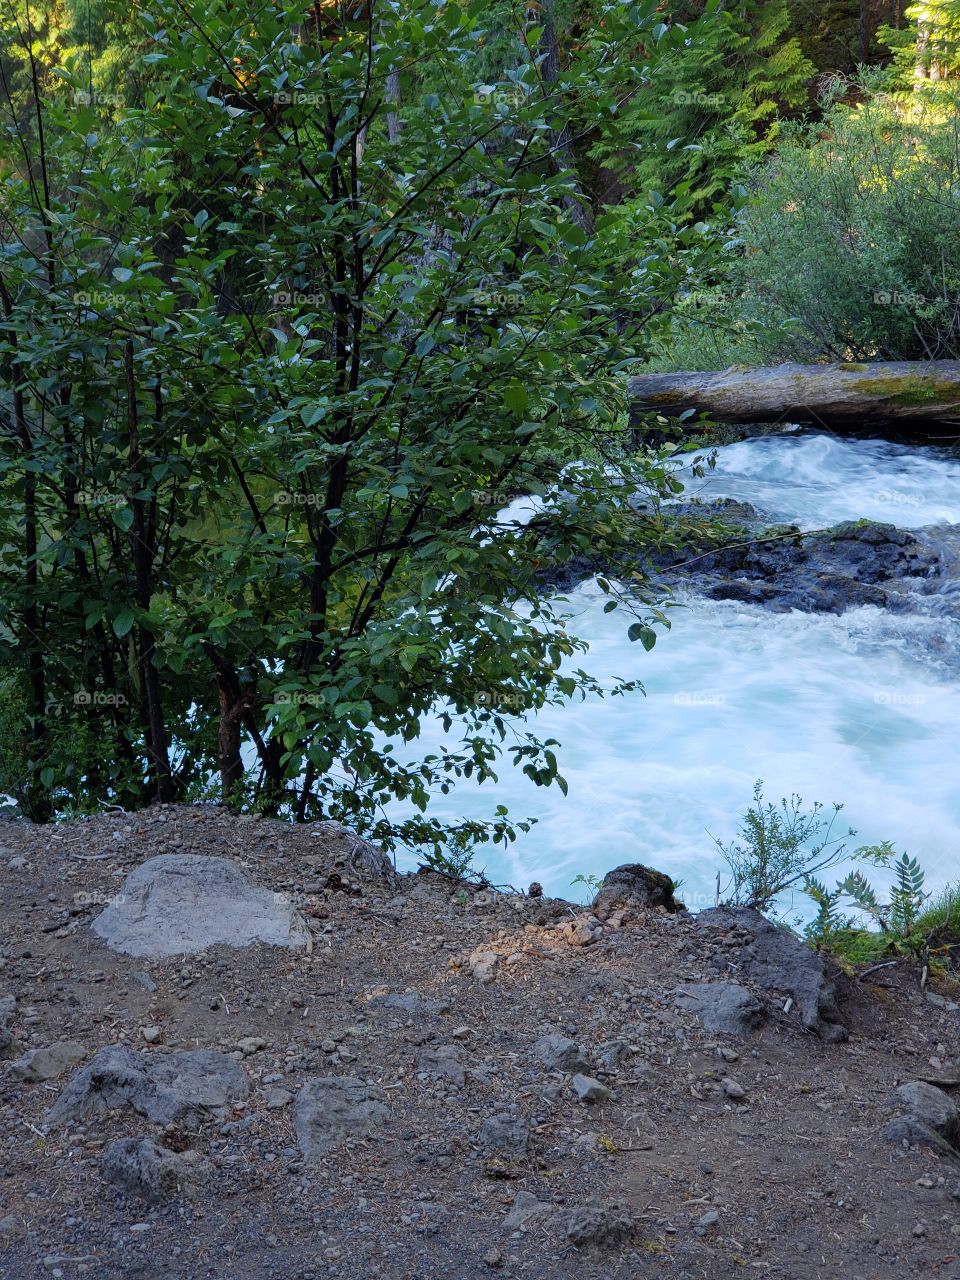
(862, 709)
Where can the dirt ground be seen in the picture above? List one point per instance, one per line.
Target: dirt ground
(786, 1176)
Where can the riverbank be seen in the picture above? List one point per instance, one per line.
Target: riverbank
(513, 1086)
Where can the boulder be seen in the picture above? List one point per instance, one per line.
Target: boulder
(559, 1053)
(50, 1062)
(600, 1222)
(633, 887)
(408, 1002)
(589, 1089)
(483, 964)
(9, 1047)
(526, 1210)
(930, 1118)
(777, 960)
(176, 904)
(721, 1006)
(442, 1062)
(856, 563)
(140, 1168)
(330, 1109)
(504, 1136)
(167, 1088)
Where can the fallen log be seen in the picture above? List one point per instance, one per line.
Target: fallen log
(839, 396)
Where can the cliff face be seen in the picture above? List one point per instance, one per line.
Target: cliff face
(418, 1078)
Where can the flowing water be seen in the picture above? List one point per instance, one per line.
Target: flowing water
(863, 709)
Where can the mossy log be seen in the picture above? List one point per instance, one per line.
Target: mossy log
(838, 396)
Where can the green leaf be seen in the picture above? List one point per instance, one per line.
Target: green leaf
(646, 635)
(515, 398)
(122, 622)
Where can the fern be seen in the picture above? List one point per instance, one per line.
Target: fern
(829, 920)
(734, 68)
(907, 896)
(858, 887)
(899, 920)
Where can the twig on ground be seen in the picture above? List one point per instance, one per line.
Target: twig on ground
(873, 968)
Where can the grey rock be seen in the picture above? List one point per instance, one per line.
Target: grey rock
(600, 1222)
(276, 1099)
(330, 1109)
(825, 572)
(588, 1089)
(634, 886)
(8, 1005)
(582, 932)
(167, 1088)
(50, 1062)
(559, 1053)
(177, 904)
(406, 1002)
(721, 1006)
(777, 960)
(483, 964)
(708, 1220)
(612, 1053)
(931, 1118)
(443, 1063)
(140, 1168)
(733, 1088)
(504, 1136)
(526, 1208)
(941, 1002)
(9, 1047)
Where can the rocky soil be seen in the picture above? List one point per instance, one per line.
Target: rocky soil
(413, 1077)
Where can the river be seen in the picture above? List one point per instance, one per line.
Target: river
(862, 709)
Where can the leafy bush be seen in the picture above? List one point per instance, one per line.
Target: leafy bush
(850, 247)
(780, 846)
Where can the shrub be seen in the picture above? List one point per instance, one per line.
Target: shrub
(780, 846)
(851, 244)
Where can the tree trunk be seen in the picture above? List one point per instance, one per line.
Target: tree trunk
(839, 396)
(155, 729)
